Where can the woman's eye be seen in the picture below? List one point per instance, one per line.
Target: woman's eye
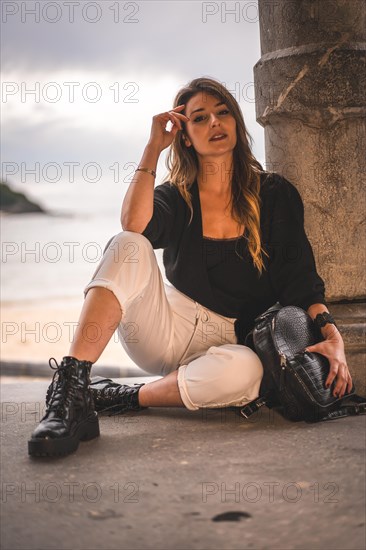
(198, 118)
(222, 112)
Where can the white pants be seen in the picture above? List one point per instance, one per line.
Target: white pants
(163, 330)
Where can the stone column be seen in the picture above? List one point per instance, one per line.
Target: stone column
(310, 98)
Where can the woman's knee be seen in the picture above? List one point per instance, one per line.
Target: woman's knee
(227, 375)
(241, 366)
(126, 267)
(237, 359)
(128, 243)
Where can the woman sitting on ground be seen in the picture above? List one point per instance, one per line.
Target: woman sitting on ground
(234, 244)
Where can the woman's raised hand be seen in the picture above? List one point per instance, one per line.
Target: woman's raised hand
(159, 136)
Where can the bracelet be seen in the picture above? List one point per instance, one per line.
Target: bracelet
(323, 318)
(152, 172)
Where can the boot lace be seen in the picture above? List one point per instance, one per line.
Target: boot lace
(60, 391)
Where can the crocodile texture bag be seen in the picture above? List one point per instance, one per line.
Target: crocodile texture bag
(294, 380)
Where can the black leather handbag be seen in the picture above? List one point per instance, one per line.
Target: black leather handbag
(294, 380)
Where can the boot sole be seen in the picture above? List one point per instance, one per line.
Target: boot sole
(88, 429)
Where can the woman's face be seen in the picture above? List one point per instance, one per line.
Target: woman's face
(209, 117)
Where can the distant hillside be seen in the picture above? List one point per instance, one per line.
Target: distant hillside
(15, 202)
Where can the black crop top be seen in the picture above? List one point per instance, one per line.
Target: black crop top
(228, 263)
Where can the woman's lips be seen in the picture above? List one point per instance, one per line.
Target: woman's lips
(218, 138)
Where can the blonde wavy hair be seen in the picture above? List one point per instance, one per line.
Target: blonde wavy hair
(182, 163)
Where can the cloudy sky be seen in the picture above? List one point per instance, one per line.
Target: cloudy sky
(81, 80)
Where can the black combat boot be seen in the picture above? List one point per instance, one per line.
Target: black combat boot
(114, 398)
(70, 414)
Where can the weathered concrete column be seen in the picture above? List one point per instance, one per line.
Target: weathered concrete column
(310, 98)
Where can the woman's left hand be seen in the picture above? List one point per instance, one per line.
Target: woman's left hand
(333, 349)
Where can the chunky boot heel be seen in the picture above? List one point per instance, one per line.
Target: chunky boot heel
(108, 396)
(70, 414)
(91, 429)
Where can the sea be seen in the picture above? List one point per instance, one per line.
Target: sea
(52, 257)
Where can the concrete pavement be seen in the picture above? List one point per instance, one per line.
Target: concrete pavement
(168, 478)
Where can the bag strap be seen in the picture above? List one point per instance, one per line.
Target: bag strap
(276, 307)
(344, 410)
(349, 410)
(252, 407)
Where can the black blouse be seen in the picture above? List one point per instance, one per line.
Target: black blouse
(219, 274)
